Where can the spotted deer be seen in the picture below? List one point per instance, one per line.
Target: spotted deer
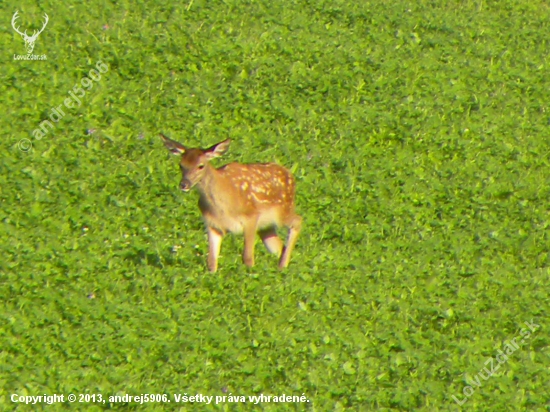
(240, 198)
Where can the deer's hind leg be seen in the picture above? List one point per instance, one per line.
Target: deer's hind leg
(271, 241)
(249, 239)
(294, 228)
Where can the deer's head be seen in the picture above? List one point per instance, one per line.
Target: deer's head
(194, 162)
(29, 40)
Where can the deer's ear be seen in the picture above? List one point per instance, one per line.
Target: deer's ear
(175, 147)
(218, 149)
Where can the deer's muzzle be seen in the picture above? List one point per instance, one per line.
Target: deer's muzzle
(185, 185)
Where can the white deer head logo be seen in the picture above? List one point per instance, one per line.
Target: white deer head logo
(29, 40)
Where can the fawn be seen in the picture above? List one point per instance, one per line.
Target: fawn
(240, 198)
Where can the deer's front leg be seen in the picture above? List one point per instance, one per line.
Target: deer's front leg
(214, 244)
(249, 239)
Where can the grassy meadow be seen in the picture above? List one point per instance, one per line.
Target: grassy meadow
(418, 133)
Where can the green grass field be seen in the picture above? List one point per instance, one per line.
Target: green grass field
(418, 136)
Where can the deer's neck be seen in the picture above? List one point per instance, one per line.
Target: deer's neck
(212, 190)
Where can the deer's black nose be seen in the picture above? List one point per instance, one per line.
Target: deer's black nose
(185, 185)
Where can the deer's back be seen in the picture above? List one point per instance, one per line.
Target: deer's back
(262, 190)
(261, 184)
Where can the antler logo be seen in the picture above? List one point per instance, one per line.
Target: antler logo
(29, 40)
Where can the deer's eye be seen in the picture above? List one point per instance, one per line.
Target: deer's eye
(201, 166)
